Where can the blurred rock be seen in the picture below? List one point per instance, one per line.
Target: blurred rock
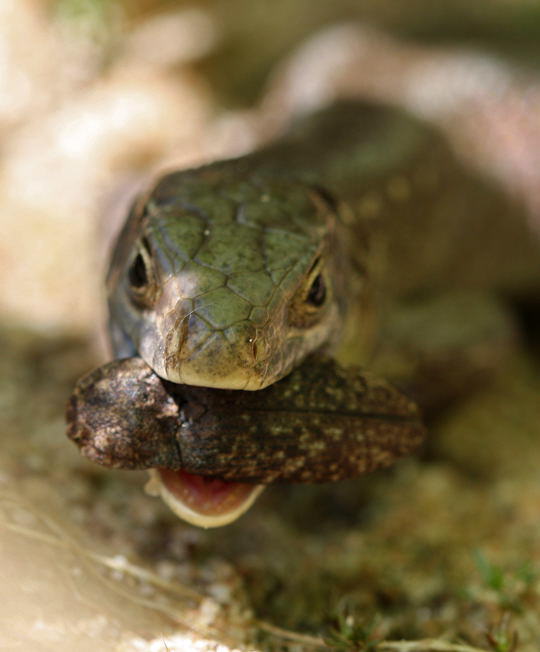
(172, 38)
(60, 162)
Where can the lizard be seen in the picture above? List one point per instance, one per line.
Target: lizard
(229, 275)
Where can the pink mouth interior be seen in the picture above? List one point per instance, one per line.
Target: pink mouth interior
(208, 496)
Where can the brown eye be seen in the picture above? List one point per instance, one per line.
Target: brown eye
(317, 292)
(138, 277)
(307, 305)
(142, 286)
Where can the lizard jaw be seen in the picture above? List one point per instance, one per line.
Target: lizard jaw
(204, 502)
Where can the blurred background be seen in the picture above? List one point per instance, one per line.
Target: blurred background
(96, 97)
(97, 93)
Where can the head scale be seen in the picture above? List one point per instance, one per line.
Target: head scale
(225, 279)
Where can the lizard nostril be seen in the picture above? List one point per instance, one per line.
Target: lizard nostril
(254, 349)
(184, 328)
(178, 327)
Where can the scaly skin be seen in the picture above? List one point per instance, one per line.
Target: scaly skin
(229, 254)
(366, 198)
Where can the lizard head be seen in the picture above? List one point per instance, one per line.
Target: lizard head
(224, 282)
(226, 279)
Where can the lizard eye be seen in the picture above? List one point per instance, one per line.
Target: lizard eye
(140, 277)
(306, 308)
(317, 292)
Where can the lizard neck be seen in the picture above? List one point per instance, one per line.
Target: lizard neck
(433, 221)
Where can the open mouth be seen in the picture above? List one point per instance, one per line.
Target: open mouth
(202, 501)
